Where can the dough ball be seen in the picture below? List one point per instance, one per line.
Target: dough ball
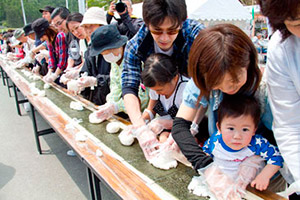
(113, 127)
(93, 119)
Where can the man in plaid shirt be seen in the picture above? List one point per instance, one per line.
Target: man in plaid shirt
(166, 30)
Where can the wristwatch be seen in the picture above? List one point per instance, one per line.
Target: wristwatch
(194, 128)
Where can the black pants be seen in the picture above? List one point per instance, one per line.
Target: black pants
(294, 196)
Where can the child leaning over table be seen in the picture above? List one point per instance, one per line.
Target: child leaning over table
(236, 148)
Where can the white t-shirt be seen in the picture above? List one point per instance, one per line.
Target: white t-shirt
(168, 102)
(83, 47)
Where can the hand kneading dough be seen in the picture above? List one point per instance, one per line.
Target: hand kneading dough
(93, 119)
(73, 86)
(113, 127)
(125, 138)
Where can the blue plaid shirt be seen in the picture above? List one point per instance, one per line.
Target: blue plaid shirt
(141, 46)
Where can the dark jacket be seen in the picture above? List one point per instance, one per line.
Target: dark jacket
(126, 25)
(96, 66)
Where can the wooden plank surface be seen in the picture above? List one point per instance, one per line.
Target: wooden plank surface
(124, 179)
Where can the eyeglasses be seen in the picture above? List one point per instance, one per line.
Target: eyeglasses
(59, 23)
(169, 32)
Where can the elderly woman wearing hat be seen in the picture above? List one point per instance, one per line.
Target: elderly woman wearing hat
(56, 43)
(92, 19)
(94, 64)
(111, 45)
(83, 28)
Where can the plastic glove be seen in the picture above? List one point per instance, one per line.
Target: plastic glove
(248, 170)
(160, 123)
(147, 141)
(171, 148)
(72, 74)
(63, 79)
(220, 185)
(29, 58)
(87, 81)
(106, 111)
(176, 152)
(74, 87)
(49, 78)
(43, 54)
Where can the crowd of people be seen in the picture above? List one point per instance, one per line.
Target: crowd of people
(195, 90)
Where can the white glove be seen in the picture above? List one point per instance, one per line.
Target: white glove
(41, 55)
(72, 74)
(36, 69)
(87, 81)
(63, 79)
(74, 87)
(221, 184)
(49, 78)
(147, 141)
(160, 123)
(106, 111)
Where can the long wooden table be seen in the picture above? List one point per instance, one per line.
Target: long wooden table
(122, 169)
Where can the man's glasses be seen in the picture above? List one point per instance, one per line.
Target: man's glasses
(59, 23)
(169, 32)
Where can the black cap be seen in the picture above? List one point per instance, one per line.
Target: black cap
(47, 8)
(39, 26)
(106, 37)
(27, 29)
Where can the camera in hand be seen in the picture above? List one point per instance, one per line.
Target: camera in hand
(120, 6)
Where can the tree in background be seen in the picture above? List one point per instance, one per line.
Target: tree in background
(11, 13)
(105, 3)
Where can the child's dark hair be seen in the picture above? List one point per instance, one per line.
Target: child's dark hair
(237, 105)
(159, 69)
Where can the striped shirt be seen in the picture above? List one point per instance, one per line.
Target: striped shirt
(58, 57)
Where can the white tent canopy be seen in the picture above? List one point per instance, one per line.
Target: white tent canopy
(227, 10)
(212, 12)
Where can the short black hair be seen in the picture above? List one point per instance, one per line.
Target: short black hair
(237, 105)
(63, 12)
(155, 12)
(74, 17)
(159, 69)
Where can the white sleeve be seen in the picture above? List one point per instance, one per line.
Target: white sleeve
(283, 86)
(153, 95)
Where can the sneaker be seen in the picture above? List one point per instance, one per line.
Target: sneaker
(71, 153)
